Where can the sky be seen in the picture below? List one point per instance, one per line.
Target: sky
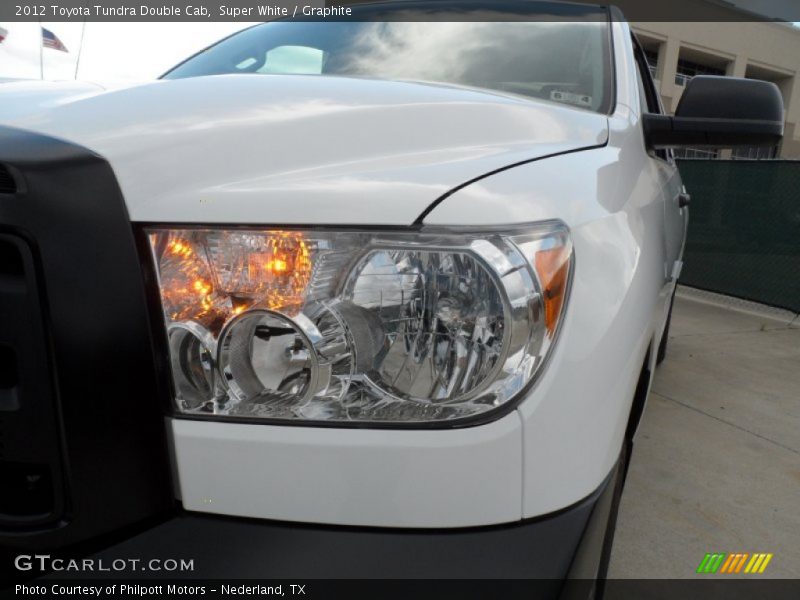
(112, 52)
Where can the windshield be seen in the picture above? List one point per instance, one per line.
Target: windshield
(558, 61)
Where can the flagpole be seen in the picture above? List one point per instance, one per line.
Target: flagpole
(41, 50)
(80, 49)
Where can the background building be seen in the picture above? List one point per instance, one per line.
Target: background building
(759, 50)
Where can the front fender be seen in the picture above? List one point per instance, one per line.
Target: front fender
(574, 419)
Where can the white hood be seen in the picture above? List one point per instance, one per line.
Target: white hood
(19, 97)
(297, 149)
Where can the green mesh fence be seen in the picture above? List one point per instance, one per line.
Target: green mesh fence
(744, 229)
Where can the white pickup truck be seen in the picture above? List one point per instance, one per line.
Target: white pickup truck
(375, 297)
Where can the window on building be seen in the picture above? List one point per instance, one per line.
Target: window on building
(755, 153)
(688, 69)
(697, 153)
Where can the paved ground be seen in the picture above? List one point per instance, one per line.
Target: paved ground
(716, 465)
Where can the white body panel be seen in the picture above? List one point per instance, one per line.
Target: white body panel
(20, 98)
(280, 150)
(296, 149)
(391, 478)
(577, 413)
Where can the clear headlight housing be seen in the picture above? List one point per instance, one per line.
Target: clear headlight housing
(358, 326)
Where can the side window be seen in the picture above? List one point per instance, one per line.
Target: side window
(301, 60)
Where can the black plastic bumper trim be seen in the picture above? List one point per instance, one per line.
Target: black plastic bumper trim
(80, 269)
(235, 548)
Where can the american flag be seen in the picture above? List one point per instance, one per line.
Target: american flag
(49, 40)
(3, 34)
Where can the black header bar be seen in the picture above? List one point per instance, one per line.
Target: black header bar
(429, 10)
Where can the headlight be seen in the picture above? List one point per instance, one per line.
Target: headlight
(352, 326)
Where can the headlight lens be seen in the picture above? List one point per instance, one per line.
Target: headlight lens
(351, 326)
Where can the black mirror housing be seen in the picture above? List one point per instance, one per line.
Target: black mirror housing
(720, 112)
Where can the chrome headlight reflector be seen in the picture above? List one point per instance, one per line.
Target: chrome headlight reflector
(358, 326)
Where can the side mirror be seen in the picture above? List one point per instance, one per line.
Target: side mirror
(720, 112)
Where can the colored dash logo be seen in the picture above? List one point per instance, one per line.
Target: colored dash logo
(737, 562)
